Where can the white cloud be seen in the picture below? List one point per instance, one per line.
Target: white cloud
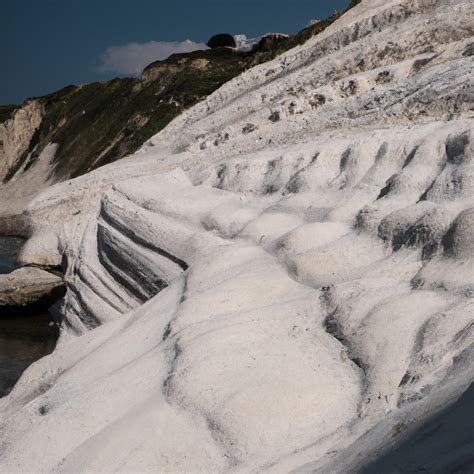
(133, 57)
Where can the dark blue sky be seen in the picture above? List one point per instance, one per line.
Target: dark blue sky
(48, 44)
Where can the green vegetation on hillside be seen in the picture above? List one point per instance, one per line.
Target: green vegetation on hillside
(98, 123)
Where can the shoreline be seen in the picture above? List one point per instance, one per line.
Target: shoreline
(27, 332)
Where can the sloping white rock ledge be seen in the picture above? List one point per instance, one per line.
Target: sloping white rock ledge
(295, 298)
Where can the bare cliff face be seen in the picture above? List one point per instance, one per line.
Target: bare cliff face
(279, 280)
(88, 127)
(16, 134)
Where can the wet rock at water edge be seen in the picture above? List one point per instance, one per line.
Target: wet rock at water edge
(29, 286)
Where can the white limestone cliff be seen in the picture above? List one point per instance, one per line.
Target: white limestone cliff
(281, 279)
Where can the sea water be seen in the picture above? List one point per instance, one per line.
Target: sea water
(24, 338)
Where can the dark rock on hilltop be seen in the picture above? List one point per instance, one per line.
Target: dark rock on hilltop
(222, 40)
(270, 42)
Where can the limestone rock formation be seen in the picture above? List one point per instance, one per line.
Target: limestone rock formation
(294, 295)
(53, 138)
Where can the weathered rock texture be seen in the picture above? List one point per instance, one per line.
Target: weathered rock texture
(29, 286)
(80, 128)
(249, 294)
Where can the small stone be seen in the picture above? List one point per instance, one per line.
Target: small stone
(318, 101)
(274, 117)
(249, 128)
(469, 50)
(384, 77)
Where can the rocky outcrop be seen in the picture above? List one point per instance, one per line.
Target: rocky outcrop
(16, 137)
(222, 40)
(270, 295)
(6, 111)
(29, 286)
(126, 111)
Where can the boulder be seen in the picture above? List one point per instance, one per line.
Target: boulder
(222, 40)
(29, 286)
